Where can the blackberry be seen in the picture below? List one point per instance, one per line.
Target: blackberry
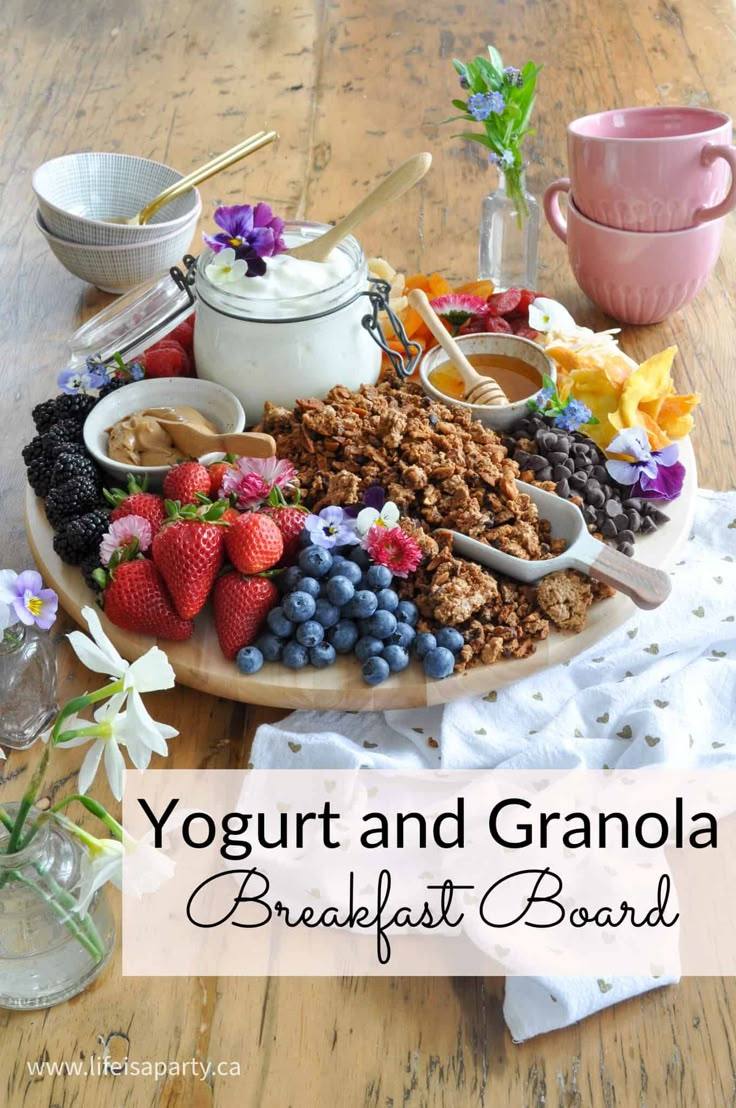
(81, 536)
(111, 386)
(71, 464)
(89, 563)
(72, 499)
(39, 475)
(75, 407)
(65, 431)
(33, 450)
(45, 415)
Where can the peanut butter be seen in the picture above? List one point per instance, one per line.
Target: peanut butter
(142, 440)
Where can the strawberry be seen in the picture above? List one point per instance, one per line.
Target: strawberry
(135, 599)
(217, 472)
(231, 515)
(241, 605)
(185, 480)
(290, 521)
(167, 359)
(254, 543)
(137, 502)
(189, 551)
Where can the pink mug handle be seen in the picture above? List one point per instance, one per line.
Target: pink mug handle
(708, 155)
(551, 204)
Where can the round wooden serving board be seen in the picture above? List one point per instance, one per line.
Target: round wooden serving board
(199, 663)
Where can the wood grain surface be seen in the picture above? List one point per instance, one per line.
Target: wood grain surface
(353, 87)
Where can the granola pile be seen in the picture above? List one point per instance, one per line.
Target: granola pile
(443, 469)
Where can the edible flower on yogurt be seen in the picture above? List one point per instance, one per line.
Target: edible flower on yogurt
(251, 234)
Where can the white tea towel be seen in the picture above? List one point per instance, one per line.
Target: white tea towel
(660, 689)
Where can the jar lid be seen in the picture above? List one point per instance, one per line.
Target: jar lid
(135, 321)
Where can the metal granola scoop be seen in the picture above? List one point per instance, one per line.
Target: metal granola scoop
(647, 587)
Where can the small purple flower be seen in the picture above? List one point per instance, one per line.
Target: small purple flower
(543, 397)
(136, 371)
(464, 82)
(479, 106)
(374, 497)
(502, 161)
(254, 233)
(332, 527)
(514, 76)
(23, 597)
(653, 474)
(96, 375)
(70, 381)
(497, 102)
(572, 416)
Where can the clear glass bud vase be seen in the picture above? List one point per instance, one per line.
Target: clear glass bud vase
(27, 685)
(509, 233)
(49, 950)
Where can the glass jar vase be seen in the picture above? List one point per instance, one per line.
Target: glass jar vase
(27, 685)
(283, 347)
(49, 951)
(509, 234)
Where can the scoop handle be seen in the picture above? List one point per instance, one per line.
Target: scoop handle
(647, 587)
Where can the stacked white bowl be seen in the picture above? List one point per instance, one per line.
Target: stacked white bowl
(79, 193)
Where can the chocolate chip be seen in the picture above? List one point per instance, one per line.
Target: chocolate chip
(548, 440)
(589, 515)
(608, 528)
(569, 465)
(563, 488)
(613, 507)
(647, 525)
(593, 483)
(633, 503)
(522, 457)
(596, 497)
(545, 474)
(627, 548)
(659, 517)
(578, 481)
(557, 457)
(621, 521)
(634, 519)
(600, 472)
(560, 473)
(625, 535)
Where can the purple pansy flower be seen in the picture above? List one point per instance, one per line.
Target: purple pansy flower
(332, 527)
(374, 497)
(652, 474)
(254, 233)
(23, 597)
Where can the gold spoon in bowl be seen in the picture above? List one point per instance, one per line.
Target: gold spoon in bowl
(393, 186)
(209, 169)
(478, 388)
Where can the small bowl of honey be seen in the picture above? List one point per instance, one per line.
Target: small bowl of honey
(517, 364)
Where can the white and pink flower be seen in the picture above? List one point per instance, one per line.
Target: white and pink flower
(124, 533)
(252, 479)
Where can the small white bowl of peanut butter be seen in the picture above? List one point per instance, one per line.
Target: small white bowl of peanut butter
(126, 432)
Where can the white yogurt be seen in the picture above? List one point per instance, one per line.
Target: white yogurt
(296, 333)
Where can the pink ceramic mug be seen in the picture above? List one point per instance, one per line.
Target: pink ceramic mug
(652, 169)
(634, 276)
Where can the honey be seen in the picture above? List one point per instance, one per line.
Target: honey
(517, 378)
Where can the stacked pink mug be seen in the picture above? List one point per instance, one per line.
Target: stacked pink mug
(646, 196)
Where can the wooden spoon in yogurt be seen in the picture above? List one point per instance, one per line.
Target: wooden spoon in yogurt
(478, 388)
(390, 188)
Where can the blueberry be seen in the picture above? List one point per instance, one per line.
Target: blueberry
(310, 585)
(349, 570)
(363, 605)
(407, 612)
(315, 561)
(450, 638)
(322, 655)
(343, 636)
(388, 600)
(375, 670)
(367, 647)
(382, 624)
(249, 659)
(396, 656)
(295, 656)
(279, 624)
(439, 663)
(423, 643)
(338, 565)
(289, 579)
(299, 606)
(270, 646)
(360, 557)
(404, 635)
(305, 538)
(340, 590)
(310, 633)
(378, 577)
(325, 613)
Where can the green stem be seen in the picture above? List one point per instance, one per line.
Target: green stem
(6, 820)
(63, 905)
(96, 809)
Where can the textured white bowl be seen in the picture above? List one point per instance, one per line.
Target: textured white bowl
(119, 268)
(77, 192)
(215, 403)
(502, 417)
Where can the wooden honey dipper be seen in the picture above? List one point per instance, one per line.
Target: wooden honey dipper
(478, 389)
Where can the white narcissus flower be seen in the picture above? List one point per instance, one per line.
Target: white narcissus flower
(150, 673)
(226, 269)
(134, 866)
(388, 517)
(549, 315)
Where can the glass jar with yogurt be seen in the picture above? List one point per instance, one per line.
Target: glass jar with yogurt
(295, 332)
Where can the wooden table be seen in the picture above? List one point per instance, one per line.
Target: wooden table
(353, 87)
